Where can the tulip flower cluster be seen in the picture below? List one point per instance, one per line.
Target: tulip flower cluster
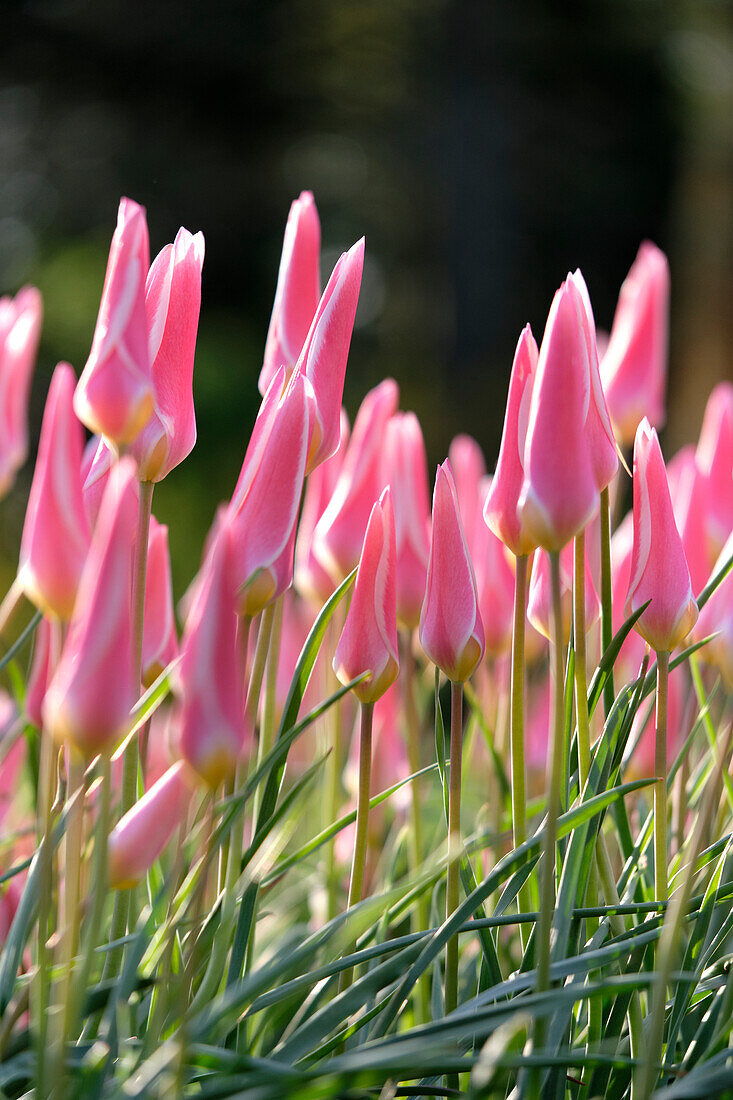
(328, 577)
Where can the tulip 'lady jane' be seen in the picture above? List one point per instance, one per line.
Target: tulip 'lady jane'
(659, 571)
(298, 290)
(94, 688)
(714, 457)
(172, 304)
(325, 351)
(495, 584)
(264, 507)
(405, 468)
(20, 330)
(451, 631)
(212, 723)
(570, 452)
(56, 533)
(114, 397)
(339, 533)
(500, 510)
(634, 367)
(160, 644)
(368, 642)
(141, 835)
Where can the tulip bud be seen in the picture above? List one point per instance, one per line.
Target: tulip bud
(451, 631)
(469, 468)
(500, 510)
(691, 508)
(56, 535)
(95, 467)
(716, 618)
(326, 349)
(172, 304)
(405, 469)
(265, 504)
(298, 290)
(368, 642)
(567, 458)
(339, 533)
(141, 835)
(114, 397)
(715, 460)
(160, 644)
(95, 686)
(212, 724)
(494, 583)
(311, 579)
(659, 569)
(20, 330)
(634, 367)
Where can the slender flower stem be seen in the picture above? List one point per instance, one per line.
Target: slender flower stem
(519, 776)
(72, 879)
(554, 773)
(581, 678)
(422, 911)
(254, 689)
(334, 767)
(660, 787)
(358, 864)
(454, 849)
(609, 693)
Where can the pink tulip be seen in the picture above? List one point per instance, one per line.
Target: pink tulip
(326, 349)
(172, 304)
(265, 504)
(56, 534)
(715, 459)
(570, 452)
(298, 290)
(495, 584)
(659, 570)
(114, 397)
(451, 631)
(41, 671)
(339, 533)
(94, 687)
(212, 724)
(20, 330)
(311, 579)
(160, 643)
(95, 467)
(469, 467)
(368, 642)
(141, 835)
(691, 509)
(634, 367)
(500, 510)
(406, 470)
(539, 602)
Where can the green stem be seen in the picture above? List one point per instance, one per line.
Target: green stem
(609, 693)
(454, 849)
(554, 773)
(660, 787)
(40, 981)
(422, 911)
(254, 689)
(358, 864)
(334, 767)
(72, 880)
(519, 773)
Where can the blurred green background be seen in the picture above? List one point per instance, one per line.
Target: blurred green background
(484, 149)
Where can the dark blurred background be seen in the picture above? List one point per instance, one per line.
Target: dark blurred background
(484, 149)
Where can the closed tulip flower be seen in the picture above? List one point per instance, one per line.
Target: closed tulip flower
(659, 570)
(265, 504)
(326, 350)
(339, 533)
(143, 832)
(298, 290)
(368, 642)
(451, 631)
(160, 643)
(20, 330)
(539, 604)
(634, 367)
(406, 471)
(495, 584)
(715, 459)
(56, 535)
(114, 397)
(94, 688)
(212, 723)
(500, 510)
(172, 304)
